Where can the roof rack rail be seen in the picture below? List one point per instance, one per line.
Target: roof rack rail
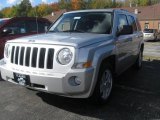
(124, 10)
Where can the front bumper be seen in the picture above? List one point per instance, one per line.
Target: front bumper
(56, 83)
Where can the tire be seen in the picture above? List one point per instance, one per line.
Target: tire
(0, 77)
(104, 85)
(138, 63)
(155, 39)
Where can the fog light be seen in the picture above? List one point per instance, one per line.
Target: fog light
(74, 81)
(77, 80)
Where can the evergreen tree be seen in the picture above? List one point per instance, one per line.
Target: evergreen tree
(24, 8)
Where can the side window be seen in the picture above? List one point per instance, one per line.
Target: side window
(132, 22)
(65, 26)
(122, 20)
(42, 26)
(17, 27)
(31, 26)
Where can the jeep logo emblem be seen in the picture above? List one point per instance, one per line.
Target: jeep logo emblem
(31, 40)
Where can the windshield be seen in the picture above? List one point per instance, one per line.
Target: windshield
(149, 30)
(85, 22)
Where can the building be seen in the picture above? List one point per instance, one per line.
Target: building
(55, 15)
(149, 16)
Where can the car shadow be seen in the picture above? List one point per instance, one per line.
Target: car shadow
(1, 77)
(150, 41)
(135, 93)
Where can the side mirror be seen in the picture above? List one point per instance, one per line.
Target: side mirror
(125, 30)
(6, 31)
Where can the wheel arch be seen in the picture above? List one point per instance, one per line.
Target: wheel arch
(111, 60)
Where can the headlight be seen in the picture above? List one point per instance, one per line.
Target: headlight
(64, 56)
(7, 51)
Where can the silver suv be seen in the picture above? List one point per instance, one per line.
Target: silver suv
(79, 55)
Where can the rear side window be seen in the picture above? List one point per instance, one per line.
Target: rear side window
(17, 27)
(132, 22)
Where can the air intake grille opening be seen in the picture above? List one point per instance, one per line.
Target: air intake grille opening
(41, 57)
(34, 57)
(50, 59)
(28, 52)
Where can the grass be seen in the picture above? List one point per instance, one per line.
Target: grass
(150, 58)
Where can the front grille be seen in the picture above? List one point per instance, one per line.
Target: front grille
(32, 57)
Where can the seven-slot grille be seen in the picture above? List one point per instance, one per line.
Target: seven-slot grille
(32, 56)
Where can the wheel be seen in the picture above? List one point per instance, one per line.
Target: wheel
(155, 39)
(104, 85)
(138, 63)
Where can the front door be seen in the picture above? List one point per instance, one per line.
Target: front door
(124, 46)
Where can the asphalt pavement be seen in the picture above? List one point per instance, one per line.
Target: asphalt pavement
(136, 96)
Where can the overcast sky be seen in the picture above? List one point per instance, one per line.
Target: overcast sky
(9, 3)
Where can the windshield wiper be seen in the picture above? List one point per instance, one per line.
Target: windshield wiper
(52, 31)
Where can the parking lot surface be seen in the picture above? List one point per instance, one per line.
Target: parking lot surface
(152, 49)
(136, 96)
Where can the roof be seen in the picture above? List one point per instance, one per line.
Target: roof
(55, 15)
(92, 10)
(4, 19)
(146, 12)
(10, 20)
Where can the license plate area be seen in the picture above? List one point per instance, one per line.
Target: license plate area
(21, 79)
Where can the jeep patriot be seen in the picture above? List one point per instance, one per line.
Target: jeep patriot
(79, 55)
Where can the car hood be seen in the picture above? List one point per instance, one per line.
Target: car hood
(69, 39)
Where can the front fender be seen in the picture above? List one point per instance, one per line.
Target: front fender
(102, 53)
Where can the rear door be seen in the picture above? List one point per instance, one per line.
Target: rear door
(137, 37)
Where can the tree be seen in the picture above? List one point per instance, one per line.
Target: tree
(65, 4)
(55, 6)
(9, 11)
(24, 8)
(151, 2)
(143, 2)
(44, 9)
(1, 15)
(79, 4)
(97, 4)
(33, 12)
